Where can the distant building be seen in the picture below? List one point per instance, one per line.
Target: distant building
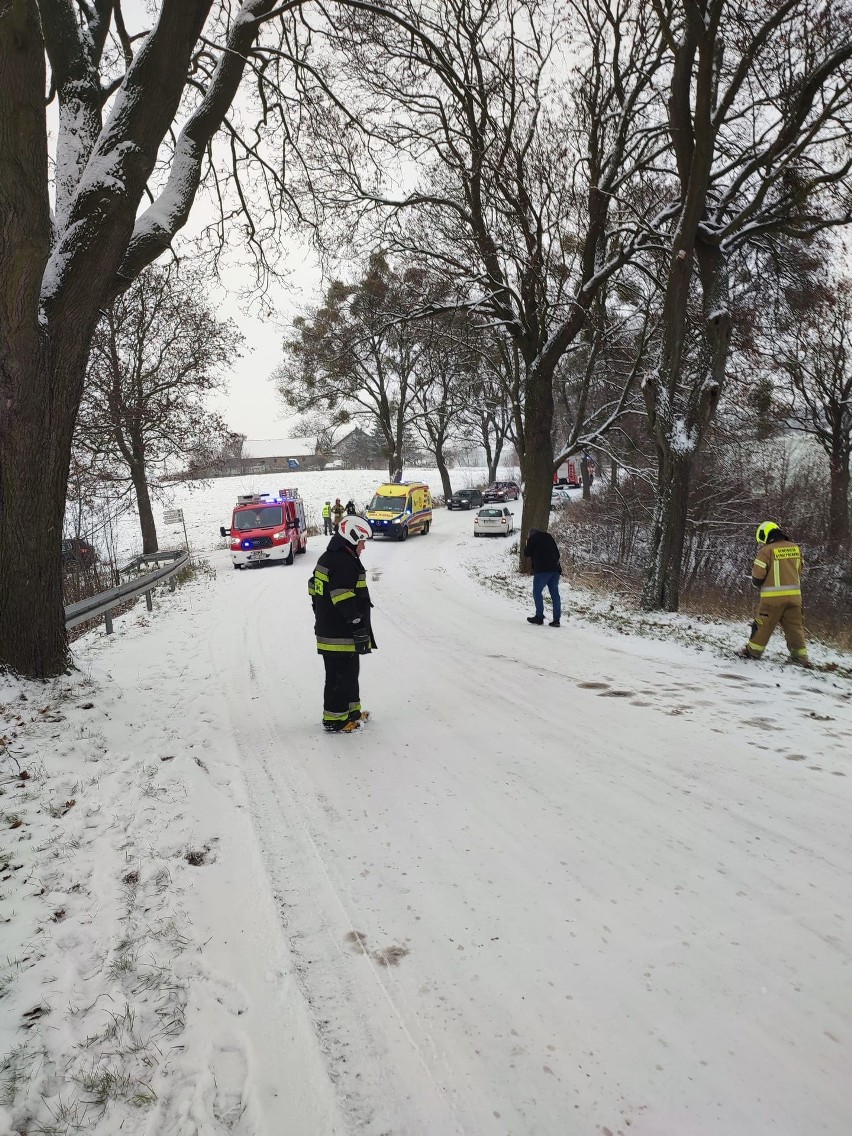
(358, 450)
(277, 455)
(355, 450)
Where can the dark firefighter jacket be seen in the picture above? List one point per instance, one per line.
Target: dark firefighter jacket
(777, 569)
(341, 600)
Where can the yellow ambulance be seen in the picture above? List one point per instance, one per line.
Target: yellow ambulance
(400, 508)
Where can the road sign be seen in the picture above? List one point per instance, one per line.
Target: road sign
(173, 516)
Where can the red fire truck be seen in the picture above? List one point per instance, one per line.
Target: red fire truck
(568, 473)
(265, 528)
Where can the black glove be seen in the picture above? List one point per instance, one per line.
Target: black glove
(362, 642)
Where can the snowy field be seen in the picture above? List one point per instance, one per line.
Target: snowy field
(565, 882)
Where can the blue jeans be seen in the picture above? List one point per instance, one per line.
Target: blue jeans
(549, 580)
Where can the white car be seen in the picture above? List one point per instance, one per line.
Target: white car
(559, 496)
(493, 520)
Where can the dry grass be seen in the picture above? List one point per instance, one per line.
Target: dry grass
(605, 543)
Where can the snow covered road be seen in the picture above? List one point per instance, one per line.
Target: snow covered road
(562, 883)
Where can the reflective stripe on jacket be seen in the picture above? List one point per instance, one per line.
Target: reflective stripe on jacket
(340, 598)
(779, 566)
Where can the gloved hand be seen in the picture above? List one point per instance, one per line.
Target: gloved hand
(362, 642)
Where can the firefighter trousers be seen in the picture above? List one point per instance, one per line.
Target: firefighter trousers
(787, 612)
(341, 700)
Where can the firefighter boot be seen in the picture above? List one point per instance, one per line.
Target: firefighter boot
(745, 653)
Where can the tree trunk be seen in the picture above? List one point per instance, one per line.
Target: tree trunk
(395, 464)
(34, 450)
(143, 504)
(661, 590)
(838, 510)
(538, 455)
(35, 455)
(440, 462)
(494, 460)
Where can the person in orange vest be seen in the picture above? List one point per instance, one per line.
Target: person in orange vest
(777, 571)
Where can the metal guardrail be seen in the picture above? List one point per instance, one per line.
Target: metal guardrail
(105, 602)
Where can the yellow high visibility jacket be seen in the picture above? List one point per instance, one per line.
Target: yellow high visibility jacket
(779, 566)
(326, 511)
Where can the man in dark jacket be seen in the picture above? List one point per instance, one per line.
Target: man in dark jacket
(543, 551)
(341, 603)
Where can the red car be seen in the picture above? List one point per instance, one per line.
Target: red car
(502, 491)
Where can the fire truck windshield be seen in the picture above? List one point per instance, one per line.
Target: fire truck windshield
(258, 517)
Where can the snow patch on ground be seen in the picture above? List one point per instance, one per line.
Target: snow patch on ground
(132, 902)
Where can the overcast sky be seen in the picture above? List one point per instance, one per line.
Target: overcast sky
(251, 406)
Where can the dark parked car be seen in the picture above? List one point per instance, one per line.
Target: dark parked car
(79, 552)
(465, 499)
(502, 491)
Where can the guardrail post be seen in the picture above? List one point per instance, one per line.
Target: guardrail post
(149, 603)
(108, 622)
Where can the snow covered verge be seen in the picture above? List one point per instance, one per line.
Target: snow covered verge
(119, 846)
(616, 615)
(158, 964)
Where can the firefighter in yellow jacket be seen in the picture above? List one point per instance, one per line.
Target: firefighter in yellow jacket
(777, 571)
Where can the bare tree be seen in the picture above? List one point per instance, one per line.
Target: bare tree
(158, 352)
(137, 115)
(494, 415)
(814, 353)
(524, 156)
(218, 451)
(597, 381)
(758, 114)
(360, 355)
(325, 427)
(450, 365)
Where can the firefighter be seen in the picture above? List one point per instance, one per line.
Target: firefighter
(337, 512)
(327, 527)
(777, 571)
(341, 603)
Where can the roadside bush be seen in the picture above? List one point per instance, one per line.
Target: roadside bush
(605, 540)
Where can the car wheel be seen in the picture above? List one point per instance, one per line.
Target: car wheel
(289, 558)
(403, 535)
(426, 528)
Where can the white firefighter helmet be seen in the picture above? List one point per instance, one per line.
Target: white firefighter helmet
(354, 529)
